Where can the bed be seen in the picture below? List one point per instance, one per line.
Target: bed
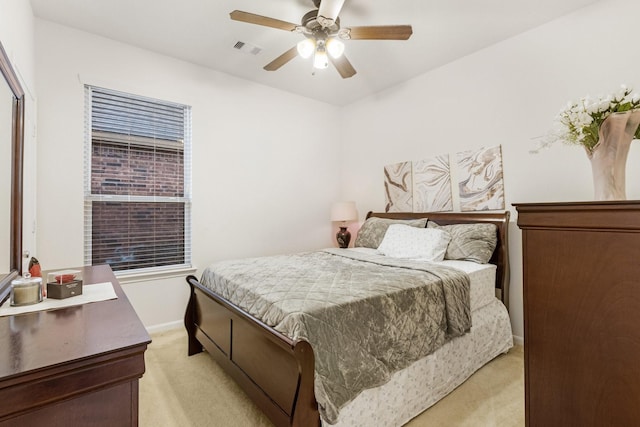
(279, 373)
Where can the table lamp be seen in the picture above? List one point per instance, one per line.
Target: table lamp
(343, 212)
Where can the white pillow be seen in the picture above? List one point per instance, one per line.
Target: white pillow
(403, 241)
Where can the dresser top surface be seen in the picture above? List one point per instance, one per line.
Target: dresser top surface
(43, 339)
(622, 215)
(604, 204)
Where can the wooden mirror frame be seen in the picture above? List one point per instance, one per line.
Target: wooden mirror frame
(17, 153)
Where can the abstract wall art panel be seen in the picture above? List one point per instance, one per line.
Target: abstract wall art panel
(432, 185)
(398, 187)
(480, 179)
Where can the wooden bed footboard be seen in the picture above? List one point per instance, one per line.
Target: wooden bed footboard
(276, 372)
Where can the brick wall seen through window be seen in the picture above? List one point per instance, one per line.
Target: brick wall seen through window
(137, 205)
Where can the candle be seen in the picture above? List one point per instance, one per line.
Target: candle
(27, 290)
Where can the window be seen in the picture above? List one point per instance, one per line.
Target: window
(137, 182)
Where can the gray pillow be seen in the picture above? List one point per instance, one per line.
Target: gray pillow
(469, 242)
(373, 230)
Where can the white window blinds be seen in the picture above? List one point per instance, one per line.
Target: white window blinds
(137, 182)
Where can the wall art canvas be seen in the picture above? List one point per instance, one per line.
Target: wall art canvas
(480, 179)
(432, 185)
(398, 187)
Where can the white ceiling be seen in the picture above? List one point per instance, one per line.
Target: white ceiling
(201, 32)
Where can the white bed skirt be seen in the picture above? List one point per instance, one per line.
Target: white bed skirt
(420, 385)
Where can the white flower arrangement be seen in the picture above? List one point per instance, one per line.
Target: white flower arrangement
(579, 122)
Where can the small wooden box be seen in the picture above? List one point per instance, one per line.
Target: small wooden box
(64, 290)
(64, 284)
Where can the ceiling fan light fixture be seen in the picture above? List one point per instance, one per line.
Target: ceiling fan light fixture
(320, 59)
(335, 48)
(323, 35)
(306, 48)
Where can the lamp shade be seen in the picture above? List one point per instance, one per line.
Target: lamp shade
(344, 211)
(320, 59)
(306, 48)
(335, 48)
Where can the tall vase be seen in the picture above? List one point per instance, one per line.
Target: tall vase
(609, 156)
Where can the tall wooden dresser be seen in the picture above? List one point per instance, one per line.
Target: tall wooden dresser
(581, 271)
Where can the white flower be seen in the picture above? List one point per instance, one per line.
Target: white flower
(579, 122)
(604, 105)
(593, 108)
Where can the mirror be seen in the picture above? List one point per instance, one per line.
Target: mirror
(11, 152)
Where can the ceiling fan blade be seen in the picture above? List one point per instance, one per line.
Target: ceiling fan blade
(343, 66)
(329, 10)
(252, 18)
(282, 59)
(380, 32)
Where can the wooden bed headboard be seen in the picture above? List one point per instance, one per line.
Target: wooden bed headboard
(500, 255)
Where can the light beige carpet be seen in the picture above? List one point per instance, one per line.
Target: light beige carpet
(178, 390)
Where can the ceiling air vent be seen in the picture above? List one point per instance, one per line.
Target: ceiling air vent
(247, 48)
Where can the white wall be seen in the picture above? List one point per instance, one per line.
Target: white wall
(249, 140)
(508, 95)
(263, 181)
(16, 35)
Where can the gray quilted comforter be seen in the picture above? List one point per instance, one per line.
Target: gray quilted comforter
(366, 316)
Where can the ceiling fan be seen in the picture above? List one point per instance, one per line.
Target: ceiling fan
(323, 35)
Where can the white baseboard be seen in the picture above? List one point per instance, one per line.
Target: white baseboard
(518, 340)
(164, 327)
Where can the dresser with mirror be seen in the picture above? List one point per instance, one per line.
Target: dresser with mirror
(78, 365)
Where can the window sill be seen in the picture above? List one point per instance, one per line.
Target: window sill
(125, 277)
